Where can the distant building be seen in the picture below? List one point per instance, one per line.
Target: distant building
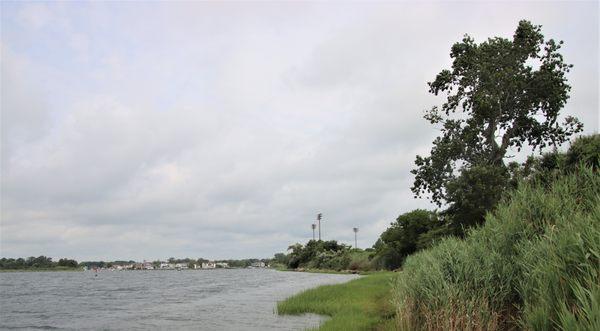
(208, 265)
(222, 265)
(258, 264)
(181, 266)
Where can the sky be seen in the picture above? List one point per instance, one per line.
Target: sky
(149, 130)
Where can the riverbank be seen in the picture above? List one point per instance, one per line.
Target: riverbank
(361, 304)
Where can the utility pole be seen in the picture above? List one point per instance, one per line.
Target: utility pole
(355, 242)
(313, 228)
(319, 216)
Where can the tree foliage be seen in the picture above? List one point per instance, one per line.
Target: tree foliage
(319, 254)
(410, 232)
(500, 94)
(40, 262)
(584, 151)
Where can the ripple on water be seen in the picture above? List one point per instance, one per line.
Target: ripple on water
(238, 299)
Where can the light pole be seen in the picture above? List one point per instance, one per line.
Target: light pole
(319, 216)
(355, 231)
(313, 228)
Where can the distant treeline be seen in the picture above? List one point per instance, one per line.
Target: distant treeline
(43, 262)
(40, 262)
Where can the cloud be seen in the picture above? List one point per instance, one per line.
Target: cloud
(219, 130)
(34, 15)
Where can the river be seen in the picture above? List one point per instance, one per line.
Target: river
(220, 299)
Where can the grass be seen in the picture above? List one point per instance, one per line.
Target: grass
(361, 304)
(534, 265)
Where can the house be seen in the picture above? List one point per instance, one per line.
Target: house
(222, 265)
(180, 266)
(258, 264)
(208, 265)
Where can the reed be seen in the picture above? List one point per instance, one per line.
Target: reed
(534, 265)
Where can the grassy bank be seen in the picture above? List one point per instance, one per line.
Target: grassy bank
(534, 265)
(361, 304)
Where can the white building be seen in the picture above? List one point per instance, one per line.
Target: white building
(208, 265)
(258, 264)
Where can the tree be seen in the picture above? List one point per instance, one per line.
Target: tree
(67, 263)
(584, 150)
(501, 94)
(472, 194)
(545, 169)
(281, 258)
(317, 254)
(410, 232)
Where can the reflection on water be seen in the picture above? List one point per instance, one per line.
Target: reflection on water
(235, 299)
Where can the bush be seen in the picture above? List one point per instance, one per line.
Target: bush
(410, 232)
(584, 150)
(535, 264)
(359, 260)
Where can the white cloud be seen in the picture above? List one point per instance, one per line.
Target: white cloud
(35, 15)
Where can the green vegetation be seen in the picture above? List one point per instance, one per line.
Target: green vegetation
(361, 304)
(535, 264)
(324, 255)
(40, 263)
(518, 245)
(412, 231)
(500, 94)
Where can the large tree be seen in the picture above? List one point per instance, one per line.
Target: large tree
(500, 94)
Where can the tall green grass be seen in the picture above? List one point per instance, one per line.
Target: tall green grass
(534, 265)
(361, 304)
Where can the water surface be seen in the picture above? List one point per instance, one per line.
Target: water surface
(232, 299)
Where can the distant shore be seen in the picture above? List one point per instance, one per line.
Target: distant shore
(41, 269)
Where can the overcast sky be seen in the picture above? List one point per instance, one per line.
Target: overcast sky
(219, 130)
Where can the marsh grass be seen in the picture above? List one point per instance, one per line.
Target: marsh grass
(361, 304)
(534, 265)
